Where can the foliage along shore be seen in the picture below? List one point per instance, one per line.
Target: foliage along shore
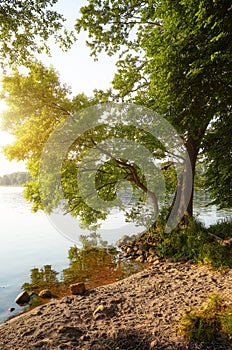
(194, 243)
(15, 179)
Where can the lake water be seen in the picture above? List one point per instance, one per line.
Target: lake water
(30, 240)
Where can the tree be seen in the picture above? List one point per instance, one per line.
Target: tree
(38, 104)
(176, 59)
(5, 181)
(25, 27)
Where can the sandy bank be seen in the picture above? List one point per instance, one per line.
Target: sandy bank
(141, 312)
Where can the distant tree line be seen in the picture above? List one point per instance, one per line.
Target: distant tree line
(15, 179)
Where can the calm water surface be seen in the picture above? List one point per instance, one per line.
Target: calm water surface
(29, 240)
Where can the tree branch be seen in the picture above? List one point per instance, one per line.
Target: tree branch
(221, 241)
(138, 20)
(135, 178)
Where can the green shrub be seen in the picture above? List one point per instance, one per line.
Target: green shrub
(193, 243)
(211, 323)
(226, 322)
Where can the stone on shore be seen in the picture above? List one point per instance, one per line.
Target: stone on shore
(122, 241)
(11, 309)
(45, 293)
(77, 288)
(22, 298)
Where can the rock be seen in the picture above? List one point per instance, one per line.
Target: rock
(122, 241)
(150, 259)
(85, 337)
(45, 293)
(22, 298)
(153, 259)
(140, 259)
(11, 309)
(152, 252)
(77, 288)
(156, 262)
(142, 247)
(71, 332)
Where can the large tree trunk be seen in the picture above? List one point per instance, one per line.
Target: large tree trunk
(182, 207)
(192, 147)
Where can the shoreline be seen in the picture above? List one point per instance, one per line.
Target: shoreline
(140, 312)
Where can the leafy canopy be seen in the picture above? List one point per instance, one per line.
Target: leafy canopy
(26, 26)
(176, 58)
(39, 104)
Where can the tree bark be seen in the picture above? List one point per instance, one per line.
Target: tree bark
(182, 207)
(192, 147)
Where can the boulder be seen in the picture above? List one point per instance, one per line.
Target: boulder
(77, 288)
(22, 298)
(156, 262)
(45, 293)
(140, 252)
(122, 241)
(129, 250)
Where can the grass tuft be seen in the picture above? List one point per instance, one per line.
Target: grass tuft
(211, 323)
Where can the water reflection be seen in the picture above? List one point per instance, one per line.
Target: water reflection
(94, 265)
(90, 264)
(41, 279)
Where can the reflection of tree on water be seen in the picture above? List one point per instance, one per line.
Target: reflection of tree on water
(89, 263)
(42, 278)
(95, 263)
(93, 240)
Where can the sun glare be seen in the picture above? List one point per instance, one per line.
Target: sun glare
(3, 106)
(5, 137)
(7, 167)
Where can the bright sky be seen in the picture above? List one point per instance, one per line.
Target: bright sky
(76, 68)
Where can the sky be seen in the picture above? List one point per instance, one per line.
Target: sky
(76, 69)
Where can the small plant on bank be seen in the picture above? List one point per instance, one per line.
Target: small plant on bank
(211, 323)
(194, 243)
(222, 229)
